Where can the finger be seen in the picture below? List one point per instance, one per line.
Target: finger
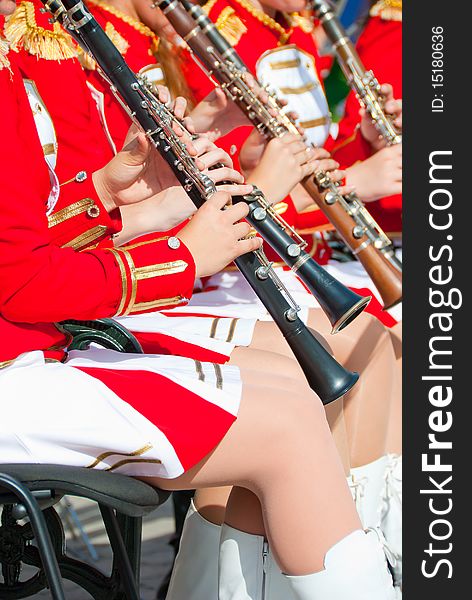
(320, 153)
(242, 229)
(237, 212)
(133, 132)
(337, 176)
(216, 156)
(136, 151)
(328, 164)
(292, 115)
(249, 245)
(345, 190)
(387, 91)
(163, 93)
(202, 144)
(289, 138)
(236, 190)
(189, 124)
(180, 106)
(225, 174)
(299, 147)
(219, 200)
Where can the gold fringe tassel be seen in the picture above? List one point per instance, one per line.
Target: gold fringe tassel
(230, 25)
(389, 10)
(22, 31)
(4, 49)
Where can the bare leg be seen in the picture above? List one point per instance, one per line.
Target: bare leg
(298, 473)
(364, 346)
(394, 433)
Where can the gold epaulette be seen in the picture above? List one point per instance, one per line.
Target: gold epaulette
(4, 49)
(22, 31)
(389, 10)
(306, 24)
(86, 59)
(228, 23)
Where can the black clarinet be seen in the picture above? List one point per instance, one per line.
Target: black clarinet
(324, 374)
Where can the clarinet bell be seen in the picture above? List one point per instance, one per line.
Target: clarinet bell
(339, 303)
(326, 377)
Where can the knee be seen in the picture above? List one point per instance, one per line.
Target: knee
(292, 418)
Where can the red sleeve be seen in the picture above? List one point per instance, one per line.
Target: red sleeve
(42, 282)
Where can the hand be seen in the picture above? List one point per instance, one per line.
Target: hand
(378, 176)
(137, 172)
(209, 157)
(285, 163)
(217, 115)
(160, 212)
(392, 107)
(215, 237)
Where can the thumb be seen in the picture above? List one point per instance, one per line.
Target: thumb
(135, 150)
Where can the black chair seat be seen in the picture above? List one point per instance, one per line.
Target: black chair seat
(128, 496)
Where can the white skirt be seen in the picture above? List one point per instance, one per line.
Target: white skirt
(134, 414)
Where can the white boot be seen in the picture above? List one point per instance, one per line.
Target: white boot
(355, 569)
(195, 573)
(247, 569)
(391, 515)
(368, 483)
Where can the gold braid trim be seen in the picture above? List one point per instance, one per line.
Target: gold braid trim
(306, 24)
(118, 40)
(209, 5)
(389, 10)
(134, 23)
(4, 49)
(230, 25)
(22, 31)
(284, 34)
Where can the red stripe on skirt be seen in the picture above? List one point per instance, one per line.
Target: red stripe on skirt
(192, 425)
(159, 343)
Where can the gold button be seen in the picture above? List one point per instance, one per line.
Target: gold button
(93, 211)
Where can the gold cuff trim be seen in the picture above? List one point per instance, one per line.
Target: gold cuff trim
(124, 280)
(139, 244)
(141, 306)
(134, 282)
(169, 268)
(69, 212)
(82, 240)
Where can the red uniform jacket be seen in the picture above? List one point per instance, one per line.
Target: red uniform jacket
(380, 49)
(42, 283)
(137, 43)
